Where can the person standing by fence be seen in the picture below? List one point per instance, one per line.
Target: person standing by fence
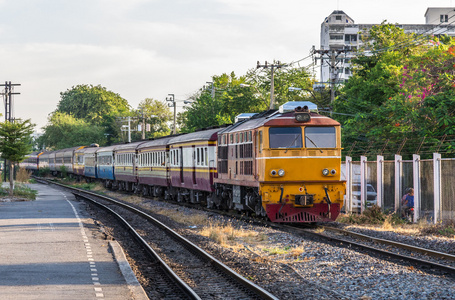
(407, 202)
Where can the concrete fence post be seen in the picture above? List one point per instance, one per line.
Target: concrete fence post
(348, 204)
(417, 188)
(363, 182)
(380, 180)
(398, 181)
(437, 187)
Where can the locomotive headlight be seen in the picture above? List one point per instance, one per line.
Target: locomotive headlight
(302, 117)
(325, 172)
(281, 172)
(333, 172)
(273, 172)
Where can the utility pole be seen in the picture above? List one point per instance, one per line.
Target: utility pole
(8, 110)
(143, 124)
(172, 99)
(8, 99)
(272, 80)
(212, 89)
(331, 55)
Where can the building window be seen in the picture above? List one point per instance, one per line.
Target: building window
(338, 18)
(444, 18)
(350, 38)
(336, 37)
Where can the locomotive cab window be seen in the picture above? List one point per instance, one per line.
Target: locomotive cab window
(320, 137)
(285, 137)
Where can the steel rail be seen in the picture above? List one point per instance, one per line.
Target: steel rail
(424, 251)
(445, 268)
(170, 273)
(213, 261)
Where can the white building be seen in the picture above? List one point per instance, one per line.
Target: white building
(341, 37)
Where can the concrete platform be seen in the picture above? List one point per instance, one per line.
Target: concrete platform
(49, 249)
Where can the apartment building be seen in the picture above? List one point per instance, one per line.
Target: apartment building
(342, 37)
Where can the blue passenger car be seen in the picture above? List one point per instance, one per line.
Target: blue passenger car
(105, 165)
(90, 162)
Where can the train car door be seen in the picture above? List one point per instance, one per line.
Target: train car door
(180, 158)
(195, 162)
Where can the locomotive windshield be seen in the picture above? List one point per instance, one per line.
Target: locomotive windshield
(285, 137)
(320, 137)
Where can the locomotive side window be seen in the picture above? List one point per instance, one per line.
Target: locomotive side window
(320, 137)
(285, 137)
(260, 141)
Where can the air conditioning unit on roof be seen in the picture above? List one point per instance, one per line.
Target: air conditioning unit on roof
(291, 106)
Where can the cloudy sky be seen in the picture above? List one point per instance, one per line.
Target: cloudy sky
(150, 48)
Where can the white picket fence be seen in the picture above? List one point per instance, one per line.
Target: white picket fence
(433, 181)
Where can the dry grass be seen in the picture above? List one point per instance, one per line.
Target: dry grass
(23, 175)
(193, 219)
(132, 199)
(227, 235)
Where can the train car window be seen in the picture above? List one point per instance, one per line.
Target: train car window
(285, 137)
(320, 137)
(202, 156)
(206, 158)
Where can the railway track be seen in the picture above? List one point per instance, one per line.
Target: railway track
(196, 273)
(416, 255)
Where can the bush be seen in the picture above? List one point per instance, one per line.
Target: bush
(24, 191)
(446, 228)
(20, 191)
(372, 215)
(63, 171)
(43, 172)
(23, 175)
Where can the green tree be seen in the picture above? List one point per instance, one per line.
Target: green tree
(15, 144)
(403, 90)
(231, 99)
(157, 115)
(92, 103)
(65, 131)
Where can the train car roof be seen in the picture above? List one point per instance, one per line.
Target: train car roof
(153, 143)
(88, 150)
(129, 146)
(203, 135)
(106, 149)
(68, 149)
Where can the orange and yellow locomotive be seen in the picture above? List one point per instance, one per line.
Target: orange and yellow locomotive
(282, 164)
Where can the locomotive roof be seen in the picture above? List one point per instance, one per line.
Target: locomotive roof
(203, 135)
(274, 118)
